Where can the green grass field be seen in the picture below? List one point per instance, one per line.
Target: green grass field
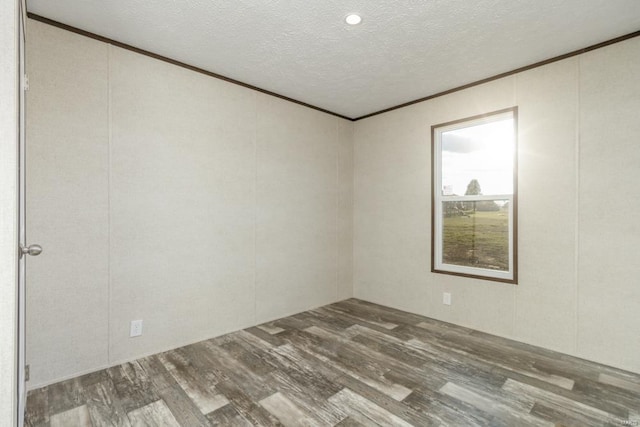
(478, 240)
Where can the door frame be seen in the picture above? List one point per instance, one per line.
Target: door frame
(9, 141)
(22, 226)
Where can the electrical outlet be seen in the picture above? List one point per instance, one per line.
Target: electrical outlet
(136, 328)
(446, 298)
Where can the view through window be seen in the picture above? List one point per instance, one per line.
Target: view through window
(474, 188)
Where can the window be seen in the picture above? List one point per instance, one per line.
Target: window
(474, 203)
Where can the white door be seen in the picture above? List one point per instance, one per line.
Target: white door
(24, 249)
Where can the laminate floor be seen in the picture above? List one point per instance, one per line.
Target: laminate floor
(351, 363)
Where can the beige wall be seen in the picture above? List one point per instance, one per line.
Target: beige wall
(67, 203)
(578, 233)
(8, 208)
(161, 194)
(609, 250)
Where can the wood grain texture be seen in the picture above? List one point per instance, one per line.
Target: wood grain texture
(287, 412)
(77, 417)
(351, 363)
(153, 414)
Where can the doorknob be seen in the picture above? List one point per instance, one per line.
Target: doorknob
(33, 250)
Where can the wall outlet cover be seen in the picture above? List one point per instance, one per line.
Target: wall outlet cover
(446, 298)
(136, 328)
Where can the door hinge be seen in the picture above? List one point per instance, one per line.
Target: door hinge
(26, 373)
(25, 84)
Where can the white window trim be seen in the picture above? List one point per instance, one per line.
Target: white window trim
(438, 198)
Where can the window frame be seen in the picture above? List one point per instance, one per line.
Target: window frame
(437, 265)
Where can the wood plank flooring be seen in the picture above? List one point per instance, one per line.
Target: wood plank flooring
(351, 363)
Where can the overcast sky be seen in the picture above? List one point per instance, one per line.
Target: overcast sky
(483, 152)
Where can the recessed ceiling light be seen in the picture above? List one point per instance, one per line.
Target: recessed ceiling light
(353, 19)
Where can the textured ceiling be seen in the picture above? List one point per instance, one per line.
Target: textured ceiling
(302, 49)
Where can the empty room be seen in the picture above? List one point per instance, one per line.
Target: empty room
(337, 213)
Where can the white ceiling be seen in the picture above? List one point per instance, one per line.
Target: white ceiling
(302, 49)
